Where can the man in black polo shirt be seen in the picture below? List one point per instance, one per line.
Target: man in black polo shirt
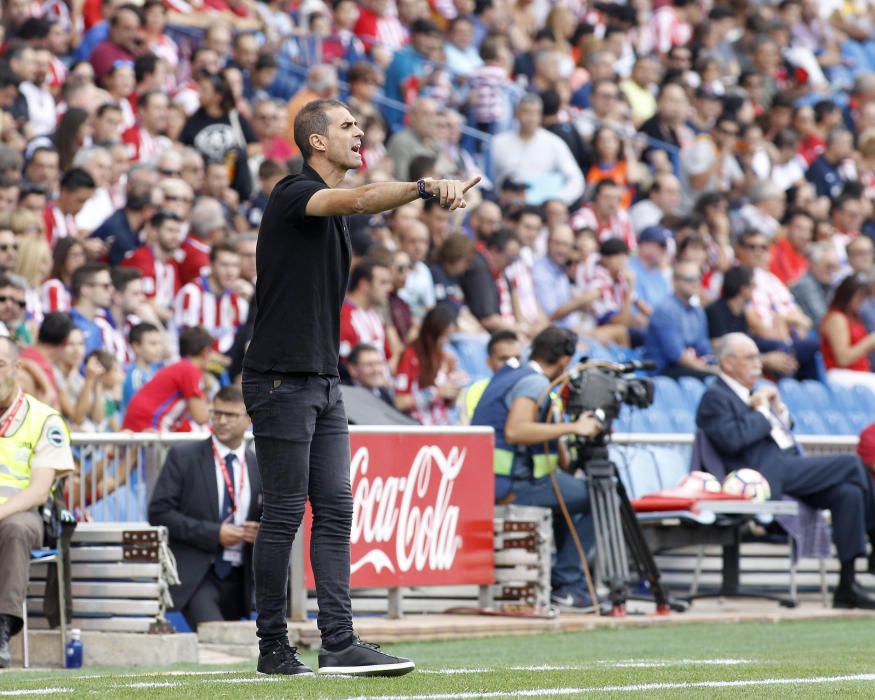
(292, 388)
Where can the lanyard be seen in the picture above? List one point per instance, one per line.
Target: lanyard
(11, 417)
(229, 484)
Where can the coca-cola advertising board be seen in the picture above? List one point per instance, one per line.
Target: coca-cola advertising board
(423, 507)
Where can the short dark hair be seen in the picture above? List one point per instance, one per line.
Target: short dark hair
(193, 340)
(270, 168)
(222, 247)
(135, 337)
(55, 328)
(108, 107)
(83, 275)
(312, 119)
(123, 276)
(229, 394)
(358, 351)
(159, 217)
(143, 66)
(552, 344)
(77, 179)
(500, 337)
(501, 239)
(734, 280)
(147, 96)
(364, 271)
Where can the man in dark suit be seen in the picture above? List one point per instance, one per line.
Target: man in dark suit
(208, 494)
(752, 429)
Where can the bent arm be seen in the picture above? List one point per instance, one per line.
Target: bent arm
(34, 496)
(522, 426)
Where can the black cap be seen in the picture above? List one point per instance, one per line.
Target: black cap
(424, 26)
(512, 184)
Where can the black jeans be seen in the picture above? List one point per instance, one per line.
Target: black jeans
(302, 445)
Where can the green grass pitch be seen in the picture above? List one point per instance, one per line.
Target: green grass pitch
(819, 659)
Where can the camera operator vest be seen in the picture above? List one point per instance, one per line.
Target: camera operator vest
(492, 411)
(16, 450)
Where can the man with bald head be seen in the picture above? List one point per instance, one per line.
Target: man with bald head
(418, 139)
(553, 289)
(751, 427)
(418, 291)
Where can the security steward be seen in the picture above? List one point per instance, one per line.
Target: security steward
(515, 405)
(34, 451)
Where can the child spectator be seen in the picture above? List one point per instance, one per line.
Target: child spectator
(490, 87)
(173, 400)
(147, 342)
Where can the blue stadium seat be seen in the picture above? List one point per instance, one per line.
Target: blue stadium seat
(865, 400)
(471, 351)
(683, 420)
(668, 394)
(819, 398)
(645, 469)
(810, 422)
(858, 420)
(657, 420)
(844, 399)
(837, 422)
(792, 395)
(692, 390)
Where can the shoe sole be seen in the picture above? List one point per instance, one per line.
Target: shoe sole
(275, 673)
(374, 670)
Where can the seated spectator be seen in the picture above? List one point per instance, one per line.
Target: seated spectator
(47, 351)
(426, 381)
(91, 294)
(650, 265)
(789, 259)
(102, 393)
(605, 215)
(36, 446)
(147, 342)
(844, 341)
(763, 211)
(121, 231)
(813, 290)
(502, 347)
(418, 290)
(208, 496)
(362, 319)
(833, 168)
(77, 186)
(564, 305)
(614, 160)
(367, 368)
(677, 337)
(451, 260)
(173, 400)
(67, 256)
(749, 426)
(214, 301)
(13, 306)
(663, 199)
(775, 319)
(620, 315)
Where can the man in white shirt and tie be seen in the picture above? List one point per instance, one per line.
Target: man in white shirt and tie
(208, 494)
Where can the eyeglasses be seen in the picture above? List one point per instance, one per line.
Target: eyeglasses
(686, 278)
(177, 198)
(402, 268)
(226, 415)
(4, 247)
(169, 173)
(755, 246)
(21, 303)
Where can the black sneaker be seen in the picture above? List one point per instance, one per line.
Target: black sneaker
(283, 659)
(363, 659)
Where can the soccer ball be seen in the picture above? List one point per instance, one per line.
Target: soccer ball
(748, 483)
(697, 482)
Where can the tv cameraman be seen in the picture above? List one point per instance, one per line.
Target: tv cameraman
(516, 404)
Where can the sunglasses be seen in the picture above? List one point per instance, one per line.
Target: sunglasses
(170, 173)
(21, 303)
(5, 247)
(755, 246)
(177, 198)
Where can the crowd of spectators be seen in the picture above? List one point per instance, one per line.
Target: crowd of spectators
(655, 176)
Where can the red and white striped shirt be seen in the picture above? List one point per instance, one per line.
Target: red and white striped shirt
(358, 325)
(618, 226)
(612, 292)
(386, 31)
(770, 297)
(161, 280)
(489, 86)
(142, 145)
(665, 30)
(55, 296)
(113, 338)
(58, 224)
(221, 315)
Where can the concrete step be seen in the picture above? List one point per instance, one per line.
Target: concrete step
(109, 648)
(234, 652)
(227, 633)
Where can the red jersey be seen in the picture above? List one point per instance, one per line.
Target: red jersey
(359, 325)
(161, 280)
(140, 144)
(222, 315)
(196, 257)
(58, 224)
(162, 402)
(55, 296)
(432, 412)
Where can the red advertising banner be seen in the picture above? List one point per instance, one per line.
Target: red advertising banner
(423, 508)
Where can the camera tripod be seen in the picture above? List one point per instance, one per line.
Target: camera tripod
(618, 534)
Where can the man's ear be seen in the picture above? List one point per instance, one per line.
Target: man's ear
(318, 142)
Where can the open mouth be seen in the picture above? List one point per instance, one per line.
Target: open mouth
(356, 148)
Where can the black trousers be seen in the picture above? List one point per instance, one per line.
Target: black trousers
(217, 599)
(302, 445)
(838, 483)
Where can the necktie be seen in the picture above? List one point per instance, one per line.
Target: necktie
(220, 566)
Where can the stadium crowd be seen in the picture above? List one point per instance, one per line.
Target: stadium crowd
(656, 175)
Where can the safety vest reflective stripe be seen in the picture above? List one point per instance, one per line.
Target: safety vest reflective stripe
(474, 394)
(16, 450)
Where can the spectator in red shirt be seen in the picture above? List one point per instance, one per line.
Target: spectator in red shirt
(426, 382)
(362, 318)
(790, 254)
(122, 44)
(174, 398)
(207, 225)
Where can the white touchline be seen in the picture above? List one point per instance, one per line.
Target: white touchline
(542, 692)
(36, 691)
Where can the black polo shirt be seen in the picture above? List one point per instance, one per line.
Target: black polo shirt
(303, 270)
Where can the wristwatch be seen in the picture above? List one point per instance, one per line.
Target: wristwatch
(423, 193)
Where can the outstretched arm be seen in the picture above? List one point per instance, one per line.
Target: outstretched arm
(382, 196)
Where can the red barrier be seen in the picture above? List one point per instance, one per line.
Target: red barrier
(423, 508)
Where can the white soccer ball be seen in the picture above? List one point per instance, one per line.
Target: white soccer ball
(697, 482)
(748, 483)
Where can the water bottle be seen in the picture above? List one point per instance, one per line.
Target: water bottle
(73, 652)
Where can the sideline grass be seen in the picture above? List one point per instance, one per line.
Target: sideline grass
(657, 659)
